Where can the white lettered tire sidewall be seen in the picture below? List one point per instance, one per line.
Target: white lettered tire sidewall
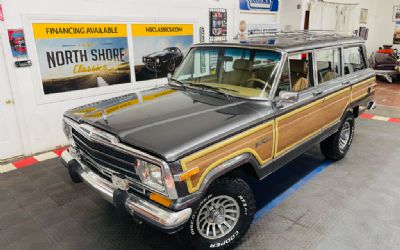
(244, 198)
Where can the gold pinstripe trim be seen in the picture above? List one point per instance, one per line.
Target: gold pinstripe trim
(299, 110)
(358, 98)
(337, 93)
(224, 143)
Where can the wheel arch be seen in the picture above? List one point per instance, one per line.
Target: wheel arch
(243, 166)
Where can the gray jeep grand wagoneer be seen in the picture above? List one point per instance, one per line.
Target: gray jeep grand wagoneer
(178, 156)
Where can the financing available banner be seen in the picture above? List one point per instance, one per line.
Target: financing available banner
(75, 56)
(159, 48)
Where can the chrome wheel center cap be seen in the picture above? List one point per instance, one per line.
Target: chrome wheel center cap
(215, 216)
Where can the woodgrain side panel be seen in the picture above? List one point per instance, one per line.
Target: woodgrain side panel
(298, 125)
(334, 106)
(258, 141)
(360, 90)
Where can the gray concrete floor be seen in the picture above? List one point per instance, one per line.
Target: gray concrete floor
(352, 204)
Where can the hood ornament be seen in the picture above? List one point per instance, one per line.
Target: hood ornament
(104, 115)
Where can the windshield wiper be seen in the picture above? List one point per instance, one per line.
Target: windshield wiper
(203, 87)
(213, 89)
(179, 83)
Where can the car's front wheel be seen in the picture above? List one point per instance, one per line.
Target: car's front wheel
(222, 217)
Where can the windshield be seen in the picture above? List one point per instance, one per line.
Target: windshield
(235, 71)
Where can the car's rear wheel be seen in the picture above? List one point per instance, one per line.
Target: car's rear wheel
(337, 145)
(222, 217)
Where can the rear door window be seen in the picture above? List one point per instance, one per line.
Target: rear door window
(328, 64)
(297, 74)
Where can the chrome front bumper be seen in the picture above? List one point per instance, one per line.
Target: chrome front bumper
(144, 209)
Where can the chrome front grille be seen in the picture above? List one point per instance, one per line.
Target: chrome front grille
(96, 154)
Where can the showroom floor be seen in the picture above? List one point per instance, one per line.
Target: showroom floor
(308, 204)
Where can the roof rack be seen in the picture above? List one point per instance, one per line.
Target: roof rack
(308, 33)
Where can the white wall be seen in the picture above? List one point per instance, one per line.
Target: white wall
(291, 17)
(40, 120)
(384, 26)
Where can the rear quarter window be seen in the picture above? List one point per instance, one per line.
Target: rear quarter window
(353, 59)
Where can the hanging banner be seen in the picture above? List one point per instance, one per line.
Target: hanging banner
(218, 24)
(259, 5)
(75, 56)
(159, 48)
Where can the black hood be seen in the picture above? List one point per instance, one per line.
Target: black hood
(171, 123)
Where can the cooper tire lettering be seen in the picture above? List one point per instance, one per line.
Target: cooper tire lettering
(229, 188)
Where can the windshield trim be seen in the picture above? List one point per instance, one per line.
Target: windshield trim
(277, 70)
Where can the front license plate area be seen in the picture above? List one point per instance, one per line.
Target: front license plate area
(120, 183)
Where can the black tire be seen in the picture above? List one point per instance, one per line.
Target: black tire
(333, 147)
(235, 189)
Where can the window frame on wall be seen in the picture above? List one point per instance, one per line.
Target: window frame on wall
(94, 93)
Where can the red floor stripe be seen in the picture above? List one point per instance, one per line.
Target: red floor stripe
(366, 116)
(25, 162)
(395, 120)
(59, 151)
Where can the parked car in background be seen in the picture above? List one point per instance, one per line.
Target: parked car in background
(164, 61)
(386, 63)
(180, 157)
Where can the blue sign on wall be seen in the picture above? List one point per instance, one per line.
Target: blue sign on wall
(259, 5)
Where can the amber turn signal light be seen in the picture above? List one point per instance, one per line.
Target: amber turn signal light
(160, 199)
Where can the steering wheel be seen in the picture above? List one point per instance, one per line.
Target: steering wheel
(259, 81)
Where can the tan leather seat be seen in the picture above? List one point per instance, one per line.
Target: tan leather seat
(298, 75)
(242, 71)
(262, 73)
(329, 76)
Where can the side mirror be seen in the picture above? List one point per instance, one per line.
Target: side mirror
(287, 96)
(169, 76)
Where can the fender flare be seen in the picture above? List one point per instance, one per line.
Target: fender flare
(226, 167)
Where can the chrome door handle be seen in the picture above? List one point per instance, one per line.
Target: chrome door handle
(318, 92)
(346, 83)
